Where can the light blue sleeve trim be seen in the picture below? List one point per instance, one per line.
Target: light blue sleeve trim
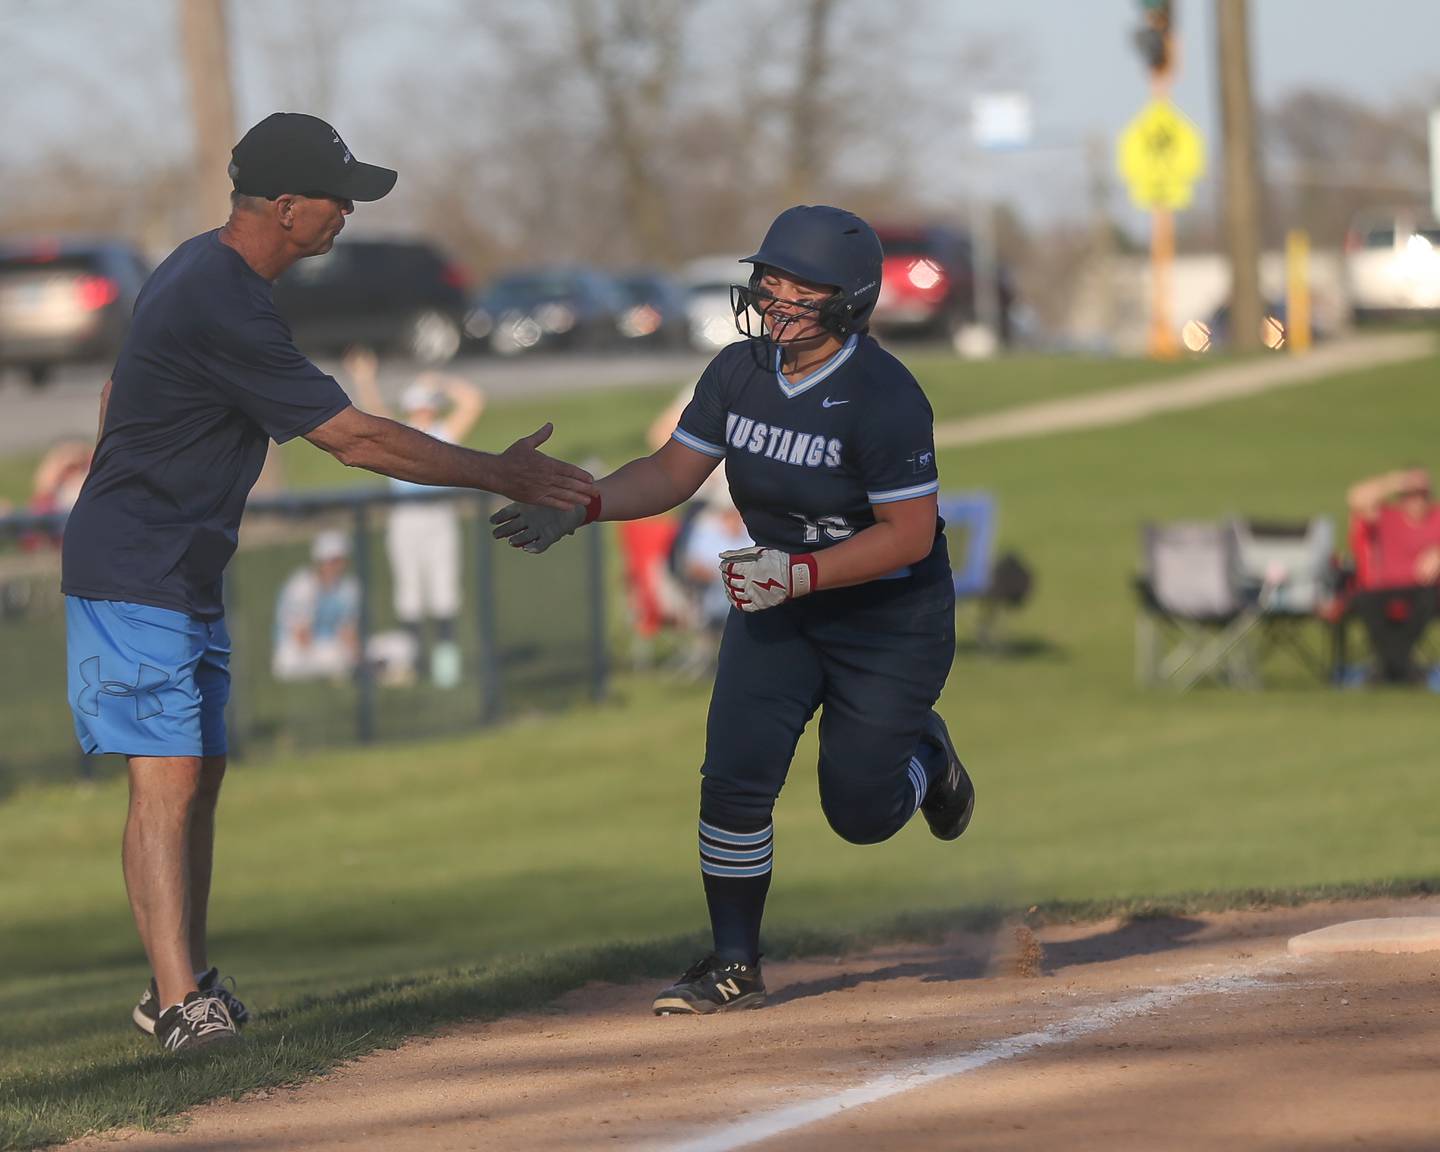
(896, 494)
(699, 445)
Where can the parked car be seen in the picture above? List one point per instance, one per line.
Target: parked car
(709, 312)
(1392, 264)
(66, 300)
(567, 307)
(929, 285)
(400, 295)
(655, 310)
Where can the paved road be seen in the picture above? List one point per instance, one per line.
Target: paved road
(31, 419)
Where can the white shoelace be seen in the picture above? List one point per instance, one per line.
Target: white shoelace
(207, 1015)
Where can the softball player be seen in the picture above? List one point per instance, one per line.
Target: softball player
(845, 605)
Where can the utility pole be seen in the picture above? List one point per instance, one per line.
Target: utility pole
(1242, 183)
(205, 44)
(1156, 40)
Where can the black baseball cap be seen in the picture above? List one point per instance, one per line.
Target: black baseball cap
(304, 156)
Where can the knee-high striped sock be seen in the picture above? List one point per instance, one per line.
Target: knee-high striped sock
(735, 867)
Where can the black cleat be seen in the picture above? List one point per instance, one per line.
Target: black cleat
(950, 802)
(713, 985)
(202, 1021)
(147, 1011)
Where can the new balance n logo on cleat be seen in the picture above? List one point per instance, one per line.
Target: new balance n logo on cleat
(712, 985)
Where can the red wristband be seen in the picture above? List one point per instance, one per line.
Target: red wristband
(804, 574)
(592, 510)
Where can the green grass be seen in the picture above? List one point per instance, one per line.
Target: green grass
(364, 895)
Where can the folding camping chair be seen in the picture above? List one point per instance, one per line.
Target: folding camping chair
(1288, 569)
(1195, 615)
(970, 528)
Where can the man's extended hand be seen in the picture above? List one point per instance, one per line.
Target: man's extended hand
(757, 578)
(528, 476)
(534, 527)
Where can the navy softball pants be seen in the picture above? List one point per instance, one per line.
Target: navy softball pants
(873, 659)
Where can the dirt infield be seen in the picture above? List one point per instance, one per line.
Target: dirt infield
(1170, 1033)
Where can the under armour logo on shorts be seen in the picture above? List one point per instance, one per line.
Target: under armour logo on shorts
(144, 691)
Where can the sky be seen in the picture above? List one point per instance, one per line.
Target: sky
(1074, 59)
(1084, 76)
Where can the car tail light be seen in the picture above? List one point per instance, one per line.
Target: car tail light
(94, 292)
(926, 275)
(457, 276)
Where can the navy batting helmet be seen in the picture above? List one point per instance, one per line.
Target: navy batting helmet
(827, 246)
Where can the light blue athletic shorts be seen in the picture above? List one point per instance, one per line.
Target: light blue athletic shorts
(146, 681)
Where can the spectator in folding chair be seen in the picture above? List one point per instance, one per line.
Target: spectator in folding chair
(1395, 532)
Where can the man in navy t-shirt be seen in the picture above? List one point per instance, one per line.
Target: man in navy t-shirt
(207, 377)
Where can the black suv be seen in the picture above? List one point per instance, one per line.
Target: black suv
(401, 296)
(66, 300)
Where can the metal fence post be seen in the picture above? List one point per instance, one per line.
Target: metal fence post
(599, 650)
(492, 700)
(365, 678)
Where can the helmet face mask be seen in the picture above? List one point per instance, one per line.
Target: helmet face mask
(760, 314)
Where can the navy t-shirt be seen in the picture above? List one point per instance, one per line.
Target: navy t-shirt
(808, 461)
(208, 374)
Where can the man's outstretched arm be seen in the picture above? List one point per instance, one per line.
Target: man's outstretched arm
(522, 472)
(1366, 497)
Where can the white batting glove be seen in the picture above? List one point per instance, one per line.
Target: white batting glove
(534, 527)
(758, 578)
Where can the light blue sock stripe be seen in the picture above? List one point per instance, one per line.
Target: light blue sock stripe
(918, 780)
(740, 839)
(735, 872)
(735, 855)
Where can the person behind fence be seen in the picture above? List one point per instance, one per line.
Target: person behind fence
(845, 604)
(717, 527)
(207, 376)
(317, 617)
(422, 538)
(1396, 524)
(55, 486)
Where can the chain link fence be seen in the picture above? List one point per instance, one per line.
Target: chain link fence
(321, 656)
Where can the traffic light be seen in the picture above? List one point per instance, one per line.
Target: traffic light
(1153, 35)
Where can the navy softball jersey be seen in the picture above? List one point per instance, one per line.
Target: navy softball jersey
(807, 460)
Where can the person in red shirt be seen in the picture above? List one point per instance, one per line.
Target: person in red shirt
(1397, 528)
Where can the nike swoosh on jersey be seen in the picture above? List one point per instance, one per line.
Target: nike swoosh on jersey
(828, 403)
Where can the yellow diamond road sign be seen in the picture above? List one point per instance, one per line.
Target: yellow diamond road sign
(1161, 155)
